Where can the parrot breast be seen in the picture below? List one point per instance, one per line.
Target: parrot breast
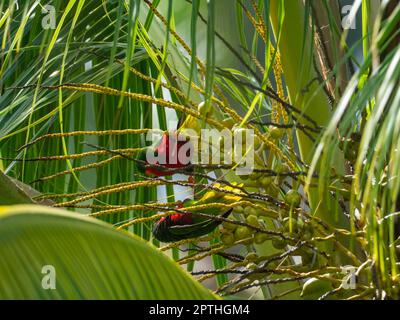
(178, 219)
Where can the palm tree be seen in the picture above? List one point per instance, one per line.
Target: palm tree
(83, 82)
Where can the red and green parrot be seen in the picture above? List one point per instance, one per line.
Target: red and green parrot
(183, 225)
(187, 225)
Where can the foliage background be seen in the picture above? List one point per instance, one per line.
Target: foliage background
(97, 42)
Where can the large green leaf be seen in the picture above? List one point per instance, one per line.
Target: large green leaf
(91, 260)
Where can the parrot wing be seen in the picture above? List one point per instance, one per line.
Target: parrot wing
(166, 233)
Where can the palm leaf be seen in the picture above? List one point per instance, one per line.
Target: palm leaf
(97, 262)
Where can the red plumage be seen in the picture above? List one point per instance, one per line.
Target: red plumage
(168, 149)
